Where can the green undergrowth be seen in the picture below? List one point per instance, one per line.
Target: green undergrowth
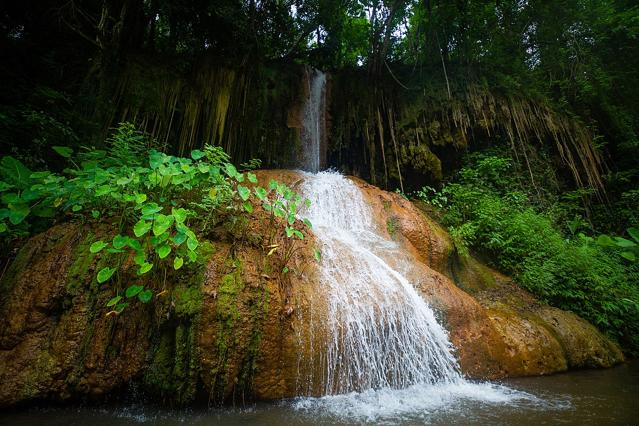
(489, 211)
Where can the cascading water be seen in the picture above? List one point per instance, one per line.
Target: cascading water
(313, 121)
(382, 333)
(380, 349)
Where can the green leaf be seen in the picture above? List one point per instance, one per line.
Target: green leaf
(97, 246)
(291, 219)
(177, 263)
(76, 208)
(285, 270)
(140, 198)
(113, 301)
(605, 241)
(141, 228)
(120, 307)
(196, 154)
(163, 251)
(64, 151)
(260, 192)
(162, 223)
(150, 208)
(179, 238)
(17, 213)
(4, 186)
(133, 290)
(192, 255)
(244, 192)
(248, 207)
(230, 170)
(317, 254)
(251, 177)
(3, 227)
(145, 296)
(95, 214)
(273, 184)
(105, 274)
(120, 241)
(192, 243)
(622, 242)
(15, 173)
(144, 268)
(308, 223)
(628, 255)
(179, 214)
(298, 234)
(634, 233)
(289, 231)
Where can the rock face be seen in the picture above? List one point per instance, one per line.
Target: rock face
(228, 328)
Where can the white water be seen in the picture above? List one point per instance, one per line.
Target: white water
(381, 352)
(385, 355)
(313, 121)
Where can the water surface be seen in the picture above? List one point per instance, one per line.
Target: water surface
(580, 397)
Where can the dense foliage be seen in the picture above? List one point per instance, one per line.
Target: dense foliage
(555, 256)
(159, 204)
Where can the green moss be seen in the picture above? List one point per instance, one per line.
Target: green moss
(392, 225)
(79, 269)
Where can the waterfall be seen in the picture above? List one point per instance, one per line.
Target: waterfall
(313, 122)
(382, 333)
(372, 346)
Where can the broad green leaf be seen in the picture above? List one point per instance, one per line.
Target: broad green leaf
(163, 251)
(15, 173)
(260, 192)
(244, 192)
(133, 290)
(230, 170)
(151, 208)
(192, 243)
(279, 212)
(251, 177)
(3, 227)
(605, 241)
(179, 214)
(11, 198)
(95, 214)
(192, 255)
(298, 234)
(196, 154)
(140, 258)
(120, 241)
(144, 268)
(105, 274)
(177, 263)
(140, 198)
(248, 207)
(213, 192)
(4, 186)
(141, 228)
(134, 244)
(76, 208)
(285, 270)
(179, 238)
(317, 254)
(17, 213)
(103, 190)
(145, 296)
(64, 151)
(113, 301)
(291, 219)
(120, 306)
(622, 242)
(162, 223)
(273, 184)
(308, 223)
(289, 231)
(97, 246)
(628, 255)
(634, 233)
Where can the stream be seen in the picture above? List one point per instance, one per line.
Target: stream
(578, 397)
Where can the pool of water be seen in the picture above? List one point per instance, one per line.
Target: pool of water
(580, 397)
